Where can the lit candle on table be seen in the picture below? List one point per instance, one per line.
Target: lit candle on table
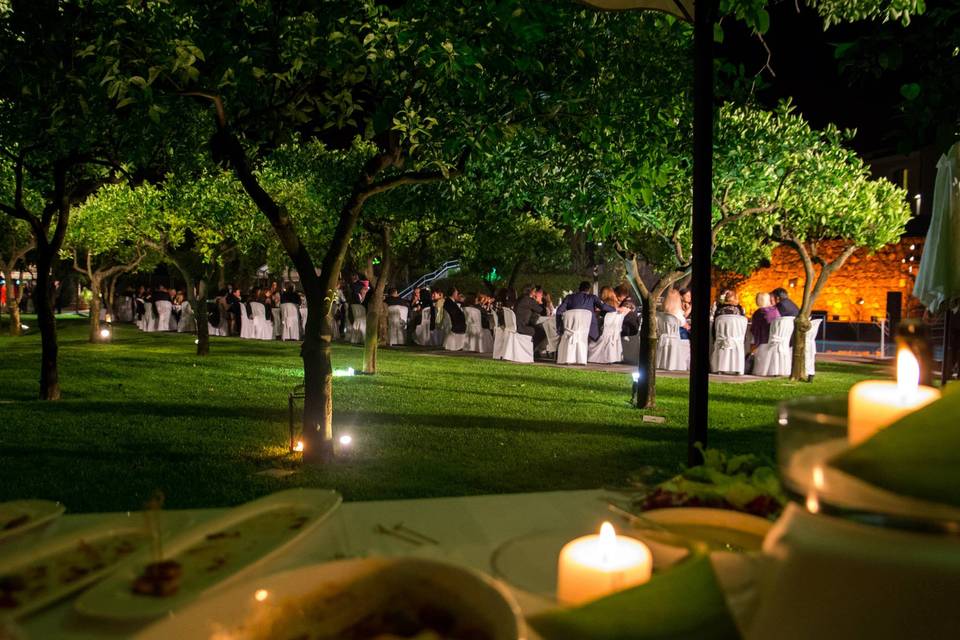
(597, 565)
(875, 404)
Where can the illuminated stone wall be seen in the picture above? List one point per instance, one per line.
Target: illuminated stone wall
(855, 293)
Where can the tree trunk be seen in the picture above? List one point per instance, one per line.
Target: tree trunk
(198, 301)
(95, 286)
(648, 356)
(801, 326)
(13, 308)
(514, 274)
(43, 301)
(376, 309)
(318, 379)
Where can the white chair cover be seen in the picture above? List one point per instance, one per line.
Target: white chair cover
(358, 326)
(773, 358)
(608, 348)
(422, 335)
(248, 327)
(574, 343)
(188, 322)
(673, 354)
(303, 318)
(103, 313)
(397, 324)
(290, 321)
(452, 341)
(125, 310)
(549, 324)
(262, 330)
(149, 318)
(727, 355)
(513, 346)
(162, 323)
(810, 354)
(478, 339)
(277, 322)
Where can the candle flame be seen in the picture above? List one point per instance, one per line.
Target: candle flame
(818, 477)
(608, 542)
(260, 595)
(908, 373)
(813, 504)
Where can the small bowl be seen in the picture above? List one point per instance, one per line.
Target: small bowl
(334, 595)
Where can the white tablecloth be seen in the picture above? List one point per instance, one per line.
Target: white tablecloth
(469, 530)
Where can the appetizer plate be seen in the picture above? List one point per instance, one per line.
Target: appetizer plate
(65, 564)
(718, 527)
(18, 516)
(337, 599)
(212, 553)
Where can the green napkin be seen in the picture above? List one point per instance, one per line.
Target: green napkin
(683, 603)
(919, 455)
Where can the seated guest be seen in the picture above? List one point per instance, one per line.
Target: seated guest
(631, 321)
(161, 294)
(584, 299)
(290, 295)
(785, 306)
(436, 309)
(673, 305)
(763, 317)
(458, 321)
(394, 300)
(234, 312)
(528, 310)
(686, 303)
(728, 303)
(609, 296)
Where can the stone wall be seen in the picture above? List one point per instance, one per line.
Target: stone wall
(857, 292)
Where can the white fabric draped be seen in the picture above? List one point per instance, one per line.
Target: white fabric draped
(397, 324)
(773, 358)
(608, 348)
(727, 354)
(673, 354)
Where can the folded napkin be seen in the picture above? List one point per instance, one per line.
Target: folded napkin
(683, 603)
(919, 455)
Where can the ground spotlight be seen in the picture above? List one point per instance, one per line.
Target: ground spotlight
(346, 440)
(340, 373)
(104, 333)
(298, 446)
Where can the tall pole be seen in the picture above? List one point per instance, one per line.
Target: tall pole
(701, 228)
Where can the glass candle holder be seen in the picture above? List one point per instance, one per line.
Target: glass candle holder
(813, 431)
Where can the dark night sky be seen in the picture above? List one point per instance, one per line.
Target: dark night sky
(805, 68)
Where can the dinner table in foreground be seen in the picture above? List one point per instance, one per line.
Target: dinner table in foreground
(467, 531)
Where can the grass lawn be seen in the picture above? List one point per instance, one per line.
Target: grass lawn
(144, 413)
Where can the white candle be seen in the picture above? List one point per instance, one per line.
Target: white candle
(875, 404)
(597, 565)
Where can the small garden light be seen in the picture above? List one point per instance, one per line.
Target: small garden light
(104, 333)
(346, 440)
(299, 446)
(340, 373)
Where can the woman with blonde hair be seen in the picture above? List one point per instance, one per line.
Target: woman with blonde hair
(673, 305)
(763, 317)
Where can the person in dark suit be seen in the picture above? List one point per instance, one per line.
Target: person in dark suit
(529, 309)
(451, 307)
(784, 304)
(584, 299)
(161, 294)
(289, 295)
(393, 299)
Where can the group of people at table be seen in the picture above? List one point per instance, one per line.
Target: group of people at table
(430, 315)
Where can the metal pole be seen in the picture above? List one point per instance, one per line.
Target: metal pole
(701, 228)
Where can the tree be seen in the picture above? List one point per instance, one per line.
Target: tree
(832, 199)
(63, 131)
(16, 243)
(103, 245)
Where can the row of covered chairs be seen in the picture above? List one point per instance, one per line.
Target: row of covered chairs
(728, 348)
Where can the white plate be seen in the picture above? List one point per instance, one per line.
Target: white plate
(714, 525)
(114, 598)
(44, 555)
(38, 512)
(287, 596)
